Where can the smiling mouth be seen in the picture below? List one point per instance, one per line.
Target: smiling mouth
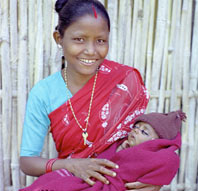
(88, 62)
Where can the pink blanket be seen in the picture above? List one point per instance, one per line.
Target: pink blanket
(153, 162)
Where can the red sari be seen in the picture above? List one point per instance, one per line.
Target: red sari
(119, 97)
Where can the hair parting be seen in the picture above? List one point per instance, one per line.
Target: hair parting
(94, 10)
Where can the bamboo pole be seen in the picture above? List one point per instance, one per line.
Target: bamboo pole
(121, 30)
(138, 44)
(113, 14)
(189, 129)
(22, 66)
(6, 93)
(174, 46)
(158, 49)
(145, 31)
(15, 159)
(133, 34)
(180, 58)
(171, 50)
(1, 156)
(150, 45)
(127, 33)
(164, 61)
(14, 59)
(195, 171)
(47, 13)
(55, 59)
(161, 24)
(38, 63)
(1, 132)
(175, 60)
(31, 42)
(193, 117)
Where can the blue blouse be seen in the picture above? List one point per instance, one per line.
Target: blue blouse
(46, 96)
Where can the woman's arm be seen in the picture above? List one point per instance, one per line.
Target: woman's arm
(33, 166)
(82, 168)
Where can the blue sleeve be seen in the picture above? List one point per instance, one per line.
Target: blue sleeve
(36, 124)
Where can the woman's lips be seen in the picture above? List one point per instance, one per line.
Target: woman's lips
(88, 62)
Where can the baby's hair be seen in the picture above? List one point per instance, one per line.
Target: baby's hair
(70, 10)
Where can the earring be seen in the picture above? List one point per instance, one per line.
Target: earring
(59, 53)
(64, 62)
(59, 46)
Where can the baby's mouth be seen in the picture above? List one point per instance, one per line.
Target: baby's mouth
(127, 146)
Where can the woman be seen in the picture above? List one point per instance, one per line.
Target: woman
(89, 104)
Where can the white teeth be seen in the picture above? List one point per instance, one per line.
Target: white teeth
(87, 61)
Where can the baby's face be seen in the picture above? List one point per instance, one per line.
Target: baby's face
(140, 133)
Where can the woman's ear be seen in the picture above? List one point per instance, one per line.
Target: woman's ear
(57, 37)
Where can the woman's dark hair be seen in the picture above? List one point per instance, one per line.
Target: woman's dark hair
(70, 10)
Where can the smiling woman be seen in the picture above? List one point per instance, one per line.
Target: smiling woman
(85, 45)
(84, 104)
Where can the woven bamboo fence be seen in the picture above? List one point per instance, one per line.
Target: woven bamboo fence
(159, 37)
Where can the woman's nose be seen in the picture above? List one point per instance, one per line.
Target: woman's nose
(90, 48)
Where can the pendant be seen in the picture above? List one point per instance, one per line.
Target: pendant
(85, 135)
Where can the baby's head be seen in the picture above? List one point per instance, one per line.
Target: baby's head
(154, 126)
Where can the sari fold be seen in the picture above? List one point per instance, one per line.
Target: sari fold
(119, 97)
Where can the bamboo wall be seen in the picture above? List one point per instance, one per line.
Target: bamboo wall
(159, 37)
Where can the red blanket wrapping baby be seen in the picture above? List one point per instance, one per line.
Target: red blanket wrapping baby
(153, 162)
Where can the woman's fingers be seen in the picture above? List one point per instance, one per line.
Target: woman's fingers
(106, 171)
(138, 186)
(107, 163)
(87, 169)
(89, 181)
(102, 167)
(134, 185)
(99, 177)
(94, 175)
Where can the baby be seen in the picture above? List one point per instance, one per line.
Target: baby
(154, 126)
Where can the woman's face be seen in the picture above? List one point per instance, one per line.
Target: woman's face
(85, 44)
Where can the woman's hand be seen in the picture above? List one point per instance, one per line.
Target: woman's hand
(91, 168)
(138, 186)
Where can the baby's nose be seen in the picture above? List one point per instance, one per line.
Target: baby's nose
(135, 129)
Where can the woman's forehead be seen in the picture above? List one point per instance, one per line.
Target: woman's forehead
(89, 23)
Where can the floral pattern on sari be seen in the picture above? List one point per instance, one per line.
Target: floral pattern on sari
(119, 97)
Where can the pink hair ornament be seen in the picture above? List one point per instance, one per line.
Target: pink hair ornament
(95, 13)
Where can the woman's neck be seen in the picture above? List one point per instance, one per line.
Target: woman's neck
(75, 80)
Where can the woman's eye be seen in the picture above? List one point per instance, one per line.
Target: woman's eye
(101, 41)
(79, 39)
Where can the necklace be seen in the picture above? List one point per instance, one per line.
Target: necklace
(84, 134)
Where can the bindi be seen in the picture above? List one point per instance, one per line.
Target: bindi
(95, 13)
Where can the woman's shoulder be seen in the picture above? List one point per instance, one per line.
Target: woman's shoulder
(47, 84)
(121, 67)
